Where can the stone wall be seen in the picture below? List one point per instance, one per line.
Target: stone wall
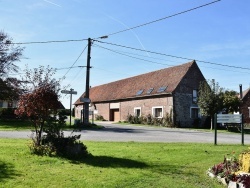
(183, 104)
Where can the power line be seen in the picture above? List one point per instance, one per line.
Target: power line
(124, 53)
(51, 41)
(133, 56)
(75, 61)
(160, 19)
(174, 56)
(69, 67)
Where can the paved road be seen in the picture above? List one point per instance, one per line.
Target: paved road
(124, 133)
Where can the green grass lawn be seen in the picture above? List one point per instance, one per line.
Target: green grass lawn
(15, 125)
(114, 164)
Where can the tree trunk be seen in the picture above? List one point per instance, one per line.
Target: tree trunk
(39, 136)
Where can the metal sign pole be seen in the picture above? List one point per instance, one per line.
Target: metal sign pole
(215, 129)
(71, 91)
(242, 130)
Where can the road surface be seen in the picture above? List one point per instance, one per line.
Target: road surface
(125, 133)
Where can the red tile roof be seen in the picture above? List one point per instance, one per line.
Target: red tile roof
(127, 88)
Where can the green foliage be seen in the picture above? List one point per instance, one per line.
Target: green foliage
(65, 112)
(9, 54)
(166, 121)
(55, 144)
(41, 98)
(209, 98)
(7, 113)
(231, 101)
(212, 99)
(99, 118)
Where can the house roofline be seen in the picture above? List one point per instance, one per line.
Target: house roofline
(132, 98)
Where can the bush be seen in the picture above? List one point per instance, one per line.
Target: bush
(55, 144)
(150, 120)
(99, 118)
(65, 112)
(7, 113)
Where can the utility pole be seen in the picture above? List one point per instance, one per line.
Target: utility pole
(86, 103)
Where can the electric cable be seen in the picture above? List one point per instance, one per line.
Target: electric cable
(75, 61)
(124, 53)
(174, 56)
(51, 41)
(160, 19)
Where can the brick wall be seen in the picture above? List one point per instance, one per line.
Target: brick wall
(103, 109)
(146, 105)
(78, 109)
(244, 108)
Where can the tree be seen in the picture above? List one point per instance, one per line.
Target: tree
(40, 104)
(40, 100)
(9, 54)
(213, 99)
(210, 97)
(231, 101)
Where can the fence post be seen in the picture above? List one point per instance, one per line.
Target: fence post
(242, 130)
(215, 129)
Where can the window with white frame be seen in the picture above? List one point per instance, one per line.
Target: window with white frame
(249, 111)
(194, 95)
(194, 112)
(1, 104)
(137, 111)
(157, 111)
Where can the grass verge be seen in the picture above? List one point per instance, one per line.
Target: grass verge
(114, 164)
(15, 125)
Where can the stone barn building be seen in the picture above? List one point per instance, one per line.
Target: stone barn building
(167, 91)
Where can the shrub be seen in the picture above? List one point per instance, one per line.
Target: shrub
(7, 113)
(65, 112)
(99, 118)
(150, 120)
(55, 144)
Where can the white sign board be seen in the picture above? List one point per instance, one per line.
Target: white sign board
(69, 92)
(229, 118)
(87, 100)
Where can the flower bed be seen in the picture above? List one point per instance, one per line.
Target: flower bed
(233, 172)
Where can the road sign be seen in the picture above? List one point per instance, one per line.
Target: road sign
(229, 118)
(69, 92)
(87, 100)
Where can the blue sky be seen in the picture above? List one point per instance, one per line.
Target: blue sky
(218, 33)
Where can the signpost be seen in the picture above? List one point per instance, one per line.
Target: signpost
(228, 118)
(71, 91)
